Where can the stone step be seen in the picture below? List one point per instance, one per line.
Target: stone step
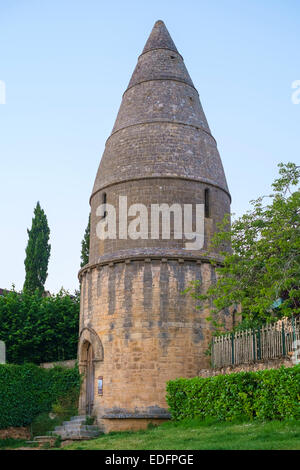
(90, 427)
(76, 436)
(42, 440)
(71, 430)
(67, 428)
(79, 418)
(70, 427)
(74, 424)
(85, 427)
(76, 429)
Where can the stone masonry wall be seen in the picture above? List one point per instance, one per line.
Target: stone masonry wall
(253, 367)
(149, 331)
(155, 191)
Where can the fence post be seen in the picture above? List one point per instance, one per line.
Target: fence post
(294, 329)
(232, 348)
(254, 348)
(258, 345)
(283, 340)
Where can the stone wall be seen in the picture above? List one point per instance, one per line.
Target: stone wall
(68, 364)
(149, 332)
(156, 191)
(255, 366)
(15, 433)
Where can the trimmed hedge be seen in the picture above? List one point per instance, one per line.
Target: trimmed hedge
(28, 390)
(39, 329)
(265, 394)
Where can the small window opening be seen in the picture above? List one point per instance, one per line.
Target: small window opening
(100, 385)
(206, 203)
(172, 56)
(104, 203)
(191, 99)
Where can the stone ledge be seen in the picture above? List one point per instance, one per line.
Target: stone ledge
(247, 367)
(135, 416)
(161, 176)
(149, 254)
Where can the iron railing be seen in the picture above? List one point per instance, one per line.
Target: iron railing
(280, 339)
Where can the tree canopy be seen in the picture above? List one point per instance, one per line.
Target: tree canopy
(37, 252)
(261, 273)
(39, 329)
(85, 245)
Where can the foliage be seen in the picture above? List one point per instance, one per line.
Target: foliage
(66, 406)
(266, 394)
(63, 409)
(264, 265)
(39, 329)
(89, 420)
(85, 245)
(37, 252)
(42, 424)
(15, 443)
(28, 390)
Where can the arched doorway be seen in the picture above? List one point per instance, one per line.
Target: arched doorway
(90, 353)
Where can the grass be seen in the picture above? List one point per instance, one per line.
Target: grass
(14, 444)
(194, 435)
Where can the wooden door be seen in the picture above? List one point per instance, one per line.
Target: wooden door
(89, 381)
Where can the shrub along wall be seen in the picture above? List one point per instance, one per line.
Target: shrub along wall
(28, 390)
(265, 394)
(39, 329)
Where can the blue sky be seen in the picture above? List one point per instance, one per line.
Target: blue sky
(66, 64)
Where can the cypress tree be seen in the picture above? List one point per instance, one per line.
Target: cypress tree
(85, 245)
(37, 252)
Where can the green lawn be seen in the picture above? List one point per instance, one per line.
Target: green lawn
(194, 435)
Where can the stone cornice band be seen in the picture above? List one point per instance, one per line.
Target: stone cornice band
(160, 121)
(158, 48)
(161, 79)
(118, 257)
(196, 180)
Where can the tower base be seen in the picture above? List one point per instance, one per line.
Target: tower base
(128, 424)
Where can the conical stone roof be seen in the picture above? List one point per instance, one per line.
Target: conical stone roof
(159, 38)
(161, 129)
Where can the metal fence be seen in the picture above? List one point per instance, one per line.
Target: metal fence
(272, 341)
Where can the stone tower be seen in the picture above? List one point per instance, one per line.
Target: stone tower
(137, 330)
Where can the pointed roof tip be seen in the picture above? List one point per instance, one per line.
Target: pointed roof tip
(159, 38)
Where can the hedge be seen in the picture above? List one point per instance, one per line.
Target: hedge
(266, 394)
(28, 390)
(39, 329)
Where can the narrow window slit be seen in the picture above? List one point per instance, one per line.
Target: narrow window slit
(206, 203)
(104, 203)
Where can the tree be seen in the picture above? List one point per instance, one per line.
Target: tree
(37, 252)
(39, 329)
(262, 272)
(85, 245)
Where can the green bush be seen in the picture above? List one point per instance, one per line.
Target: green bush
(28, 390)
(266, 394)
(39, 329)
(63, 409)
